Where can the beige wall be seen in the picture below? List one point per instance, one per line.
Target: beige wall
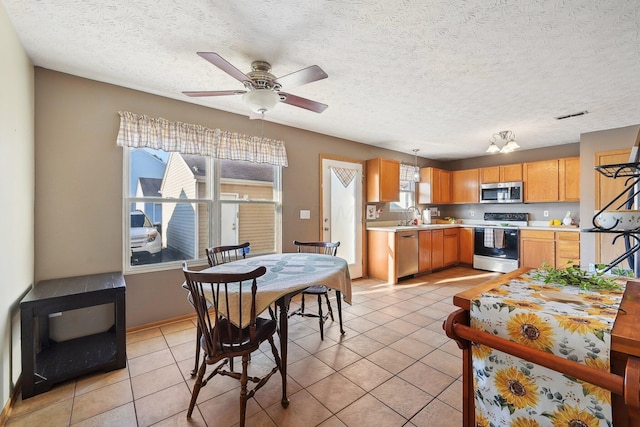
(79, 182)
(16, 187)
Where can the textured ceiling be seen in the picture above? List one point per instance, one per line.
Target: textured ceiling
(438, 76)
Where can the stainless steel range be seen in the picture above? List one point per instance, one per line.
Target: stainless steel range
(496, 241)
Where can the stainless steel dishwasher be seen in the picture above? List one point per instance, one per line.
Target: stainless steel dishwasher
(407, 256)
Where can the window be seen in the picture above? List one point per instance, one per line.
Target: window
(180, 204)
(407, 189)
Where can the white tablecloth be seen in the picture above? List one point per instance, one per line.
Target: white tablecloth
(288, 273)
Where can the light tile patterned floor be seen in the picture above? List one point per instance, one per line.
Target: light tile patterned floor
(393, 367)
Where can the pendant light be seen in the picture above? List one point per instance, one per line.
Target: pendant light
(416, 173)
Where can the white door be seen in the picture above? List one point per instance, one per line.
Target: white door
(342, 210)
(229, 220)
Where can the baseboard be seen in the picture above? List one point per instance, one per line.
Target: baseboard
(161, 323)
(13, 395)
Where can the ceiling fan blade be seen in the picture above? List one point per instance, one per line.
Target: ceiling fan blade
(225, 66)
(307, 104)
(302, 77)
(214, 92)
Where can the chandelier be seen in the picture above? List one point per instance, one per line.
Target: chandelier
(505, 137)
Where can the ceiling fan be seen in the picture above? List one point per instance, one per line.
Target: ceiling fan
(262, 89)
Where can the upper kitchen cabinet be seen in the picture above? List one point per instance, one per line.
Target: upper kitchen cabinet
(434, 186)
(569, 177)
(464, 186)
(552, 180)
(541, 181)
(503, 173)
(383, 180)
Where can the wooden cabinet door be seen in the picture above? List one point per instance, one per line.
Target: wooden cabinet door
(434, 186)
(444, 185)
(569, 176)
(567, 249)
(466, 245)
(437, 249)
(511, 173)
(541, 181)
(450, 247)
(537, 247)
(424, 251)
(503, 173)
(425, 186)
(383, 180)
(490, 175)
(464, 186)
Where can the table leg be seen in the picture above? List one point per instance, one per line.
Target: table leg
(339, 299)
(283, 303)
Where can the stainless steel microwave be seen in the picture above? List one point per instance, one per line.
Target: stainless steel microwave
(501, 192)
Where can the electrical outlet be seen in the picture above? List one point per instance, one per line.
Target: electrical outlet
(472, 213)
(545, 214)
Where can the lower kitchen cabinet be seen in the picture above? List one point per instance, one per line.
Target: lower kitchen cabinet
(466, 245)
(437, 249)
(381, 256)
(424, 251)
(450, 246)
(554, 248)
(567, 248)
(536, 247)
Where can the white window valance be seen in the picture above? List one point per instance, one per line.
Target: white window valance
(139, 131)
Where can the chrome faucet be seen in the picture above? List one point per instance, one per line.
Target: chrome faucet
(407, 221)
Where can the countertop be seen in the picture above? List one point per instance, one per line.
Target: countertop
(392, 226)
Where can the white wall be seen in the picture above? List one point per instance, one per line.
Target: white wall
(17, 190)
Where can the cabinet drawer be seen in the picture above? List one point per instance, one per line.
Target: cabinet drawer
(450, 231)
(537, 234)
(567, 235)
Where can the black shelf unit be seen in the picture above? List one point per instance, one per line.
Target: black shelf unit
(625, 199)
(46, 362)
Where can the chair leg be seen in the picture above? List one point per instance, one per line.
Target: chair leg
(320, 317)
(198, 337)
(326, 296)
(196, 388)
(302, 304)
(243, 390)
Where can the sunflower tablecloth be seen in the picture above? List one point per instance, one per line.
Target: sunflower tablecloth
(562, 320)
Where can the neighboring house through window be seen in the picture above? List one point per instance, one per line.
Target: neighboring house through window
(193, 202)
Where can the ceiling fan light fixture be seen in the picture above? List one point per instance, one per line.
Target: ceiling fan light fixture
(261, 100)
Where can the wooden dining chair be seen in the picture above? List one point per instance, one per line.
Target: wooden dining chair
(217, 255)
(223, 338)
(326, 248)
(223, 254)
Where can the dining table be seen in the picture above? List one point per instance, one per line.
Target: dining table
(287, 275)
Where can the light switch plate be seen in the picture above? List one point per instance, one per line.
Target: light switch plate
(305, 214)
